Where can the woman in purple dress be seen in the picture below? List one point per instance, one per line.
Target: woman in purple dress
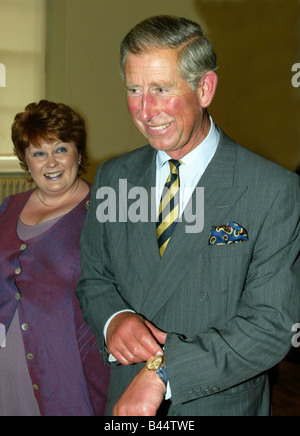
(50, 364)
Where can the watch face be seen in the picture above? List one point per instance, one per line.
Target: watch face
(155, 362)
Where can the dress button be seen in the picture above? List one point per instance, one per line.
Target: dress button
(36, 388)
(23, 247)
(17, 296)
(18, 271)
(25, 327)
(30, 356)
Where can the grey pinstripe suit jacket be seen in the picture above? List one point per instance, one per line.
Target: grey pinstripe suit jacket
(228, 310)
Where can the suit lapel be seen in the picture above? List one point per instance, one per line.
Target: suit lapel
(143, 241)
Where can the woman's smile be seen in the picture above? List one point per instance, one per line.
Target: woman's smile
(54, 176)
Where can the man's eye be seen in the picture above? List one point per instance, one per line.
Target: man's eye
(134, 92)
(160, 91)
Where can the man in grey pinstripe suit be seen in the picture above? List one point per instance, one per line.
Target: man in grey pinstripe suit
(195, 331)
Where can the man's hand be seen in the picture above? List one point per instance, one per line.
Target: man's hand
(132, 339)
(143, 396)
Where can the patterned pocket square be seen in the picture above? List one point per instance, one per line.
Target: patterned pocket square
(225, 234)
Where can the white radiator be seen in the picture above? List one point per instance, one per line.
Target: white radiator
(10, 186)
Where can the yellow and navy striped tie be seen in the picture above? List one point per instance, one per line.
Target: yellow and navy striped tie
(169, 207)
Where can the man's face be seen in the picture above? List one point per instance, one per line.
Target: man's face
(162, 105)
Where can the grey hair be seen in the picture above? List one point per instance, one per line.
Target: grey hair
(196, 55)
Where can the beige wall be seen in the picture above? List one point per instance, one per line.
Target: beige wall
(22, 52)
(257, 42)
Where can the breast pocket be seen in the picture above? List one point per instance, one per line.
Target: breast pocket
(219, 274)
(229, 250)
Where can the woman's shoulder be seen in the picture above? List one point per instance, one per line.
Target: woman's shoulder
(4, 205)
(15, 200)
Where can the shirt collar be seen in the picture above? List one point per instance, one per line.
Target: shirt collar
(202, 153)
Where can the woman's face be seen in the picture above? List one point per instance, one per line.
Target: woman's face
(53, 166)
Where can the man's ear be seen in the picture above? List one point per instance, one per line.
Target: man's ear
(207, 88)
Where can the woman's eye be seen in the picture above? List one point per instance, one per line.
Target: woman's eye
(38, 154)
(61, 150)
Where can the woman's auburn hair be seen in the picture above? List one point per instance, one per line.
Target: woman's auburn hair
(48, 121)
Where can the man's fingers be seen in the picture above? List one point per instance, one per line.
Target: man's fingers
(149, 343)
(133, 351)
(132, 339)
(159, 335)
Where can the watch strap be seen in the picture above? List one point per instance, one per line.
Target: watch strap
(162, 374)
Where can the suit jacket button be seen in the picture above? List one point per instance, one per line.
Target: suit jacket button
(204, 298)
(216, 389)
(193, 394)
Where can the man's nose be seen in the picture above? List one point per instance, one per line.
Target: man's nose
(149, 107)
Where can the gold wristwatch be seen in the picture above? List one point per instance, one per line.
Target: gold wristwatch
(157, 364)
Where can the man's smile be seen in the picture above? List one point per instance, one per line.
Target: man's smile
(160, 129)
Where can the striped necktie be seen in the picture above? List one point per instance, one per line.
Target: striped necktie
(169, 207)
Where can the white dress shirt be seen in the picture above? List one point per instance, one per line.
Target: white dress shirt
(190, 172)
